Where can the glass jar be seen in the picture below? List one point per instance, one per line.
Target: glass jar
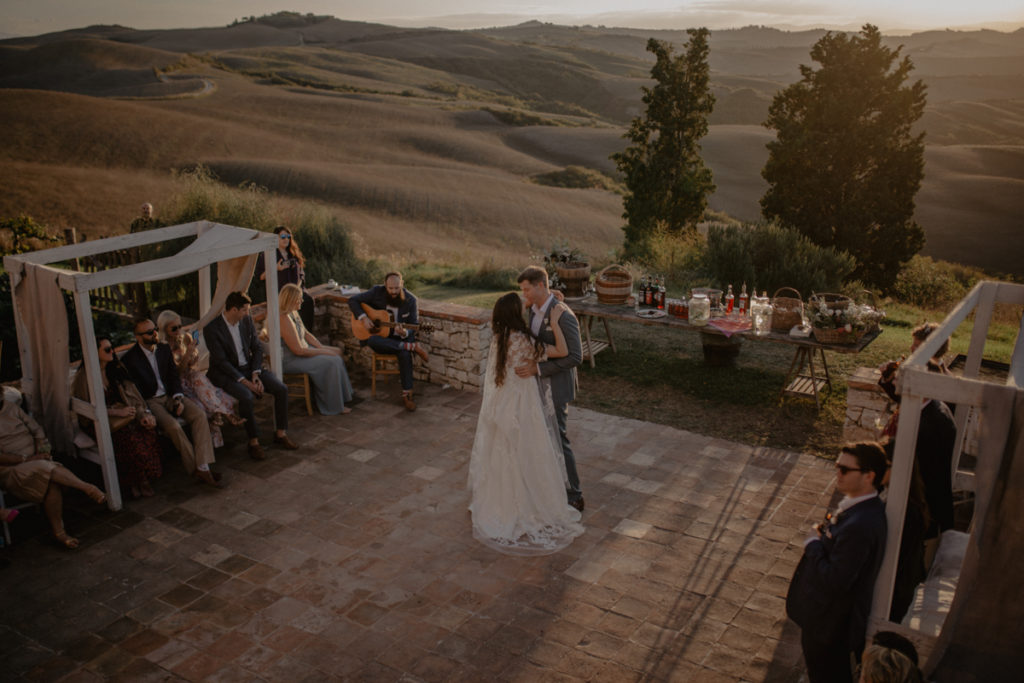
(761, 315)
(700, 309)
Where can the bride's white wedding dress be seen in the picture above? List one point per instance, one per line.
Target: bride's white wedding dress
(516, 470)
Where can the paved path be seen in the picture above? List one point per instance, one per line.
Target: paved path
(353, 560)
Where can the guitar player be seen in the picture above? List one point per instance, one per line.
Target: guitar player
(394, 298)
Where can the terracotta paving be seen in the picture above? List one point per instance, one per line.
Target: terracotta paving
(352, 559)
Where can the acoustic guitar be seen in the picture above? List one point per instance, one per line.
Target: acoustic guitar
(382, 324)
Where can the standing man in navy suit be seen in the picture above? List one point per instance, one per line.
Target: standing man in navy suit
(151, 366)
(830, 594)
(236, 366)
(401, 342)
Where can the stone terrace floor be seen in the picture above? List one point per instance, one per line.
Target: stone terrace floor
(353, 559)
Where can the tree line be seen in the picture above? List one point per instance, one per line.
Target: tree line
(843, 169)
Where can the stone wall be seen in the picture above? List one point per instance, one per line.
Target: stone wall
(867, 407)
(457, 345)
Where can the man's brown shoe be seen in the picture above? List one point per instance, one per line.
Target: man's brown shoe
(286, 443)
(256, 452)
(206, 477)
(410, 405)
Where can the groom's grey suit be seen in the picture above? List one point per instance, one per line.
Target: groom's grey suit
(562, 374)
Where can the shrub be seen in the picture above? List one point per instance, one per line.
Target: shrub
(577, 177)
(769, 257)
(329, 251)
(675, 256)
(933, 284)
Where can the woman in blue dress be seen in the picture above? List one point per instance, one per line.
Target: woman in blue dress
(303, 352)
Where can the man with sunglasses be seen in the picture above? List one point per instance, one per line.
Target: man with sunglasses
(830, 594)
(151, 366)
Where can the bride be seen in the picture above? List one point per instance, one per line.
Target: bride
(516, 470)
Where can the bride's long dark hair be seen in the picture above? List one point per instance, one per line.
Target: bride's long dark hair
(506, 318)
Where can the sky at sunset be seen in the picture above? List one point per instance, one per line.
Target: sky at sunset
(32, 17)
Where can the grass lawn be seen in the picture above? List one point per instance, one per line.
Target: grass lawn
(659, 375)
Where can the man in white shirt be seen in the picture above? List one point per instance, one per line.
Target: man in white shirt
(236, 366)
(830, 594)
(151, 366)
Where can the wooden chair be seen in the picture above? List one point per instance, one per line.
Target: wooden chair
(383, 364)
(299, 387)
(19, 506)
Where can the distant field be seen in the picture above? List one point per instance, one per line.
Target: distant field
(388, 128)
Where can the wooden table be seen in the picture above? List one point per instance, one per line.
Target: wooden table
(802, 379)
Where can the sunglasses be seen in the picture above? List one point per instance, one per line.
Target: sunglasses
(285, 236)
(174, 328)
(844, 470)
(106, 349)
(146, 333)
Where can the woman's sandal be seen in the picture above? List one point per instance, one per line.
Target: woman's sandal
(235, 419)
(346, 410)
(95, 494)
(217, 420)
(147, 490)
(9, 515)
(68, 542)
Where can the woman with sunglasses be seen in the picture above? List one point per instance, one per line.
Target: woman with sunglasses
(302, 352)
(219, 406)
(132, 426)
(291, 270)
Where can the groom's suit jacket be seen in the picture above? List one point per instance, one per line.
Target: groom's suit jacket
(561, 371)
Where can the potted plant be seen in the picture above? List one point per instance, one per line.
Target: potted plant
(568, 269)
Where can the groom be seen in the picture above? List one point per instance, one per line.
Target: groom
(533, 282)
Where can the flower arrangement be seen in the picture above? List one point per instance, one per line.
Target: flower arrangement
(843, 320)
(562, 257)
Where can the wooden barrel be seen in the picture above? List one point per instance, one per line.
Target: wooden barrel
(613, 285)
(575, 277)
(720, 351)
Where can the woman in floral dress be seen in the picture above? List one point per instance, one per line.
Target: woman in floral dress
(132, 427)
(218, 404)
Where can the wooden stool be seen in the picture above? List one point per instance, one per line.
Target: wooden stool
(383, 364)
(298, 387)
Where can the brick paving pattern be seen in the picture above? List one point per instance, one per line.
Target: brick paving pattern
(352, 559)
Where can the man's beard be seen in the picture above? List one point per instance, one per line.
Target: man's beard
(395, 301)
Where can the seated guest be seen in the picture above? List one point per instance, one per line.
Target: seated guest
(195, 384)
(881, 664)
(400, 341)
(28, 471)
(151, 366)
(132, 425)
(236, 366)
(301, 352)
(910, 569)
(291, 270)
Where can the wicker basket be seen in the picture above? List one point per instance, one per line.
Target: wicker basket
(833, 335)
(613, 285)
(787, 311)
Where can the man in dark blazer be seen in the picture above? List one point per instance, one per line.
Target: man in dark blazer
(236, 366)
(401, 342)
(830, 594)
(533, 282)
(151, 366)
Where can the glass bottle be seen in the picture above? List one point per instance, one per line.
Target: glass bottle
(661, 292)
(700, 309)
(744, 301)
(642, 299)
(730, 301)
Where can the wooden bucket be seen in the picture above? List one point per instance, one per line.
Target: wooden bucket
(575, 277)
(613, 285)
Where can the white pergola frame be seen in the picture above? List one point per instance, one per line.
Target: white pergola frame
(226, 242)
(992, 402)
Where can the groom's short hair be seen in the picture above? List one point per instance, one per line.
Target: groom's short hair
(535, 275)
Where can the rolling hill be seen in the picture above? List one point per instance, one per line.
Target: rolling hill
(425, 142)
